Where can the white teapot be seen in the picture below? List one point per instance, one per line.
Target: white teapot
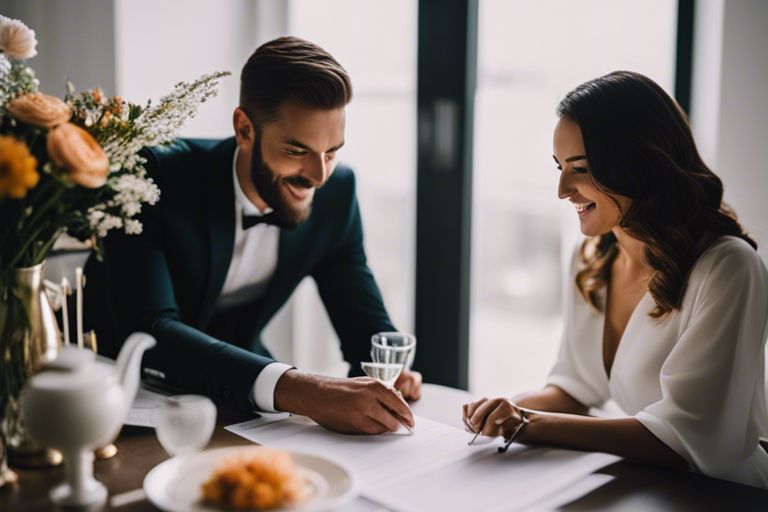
(77, 404)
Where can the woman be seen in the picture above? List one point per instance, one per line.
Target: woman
(668, 309)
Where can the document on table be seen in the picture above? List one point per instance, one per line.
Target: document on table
(489, 481)
(433, 468)
(147, 402)
(372, 459)
(141, 413)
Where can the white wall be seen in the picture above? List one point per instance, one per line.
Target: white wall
(158, 44)
(729, 105)
(141, 48)
(75, 41)
(729, 110)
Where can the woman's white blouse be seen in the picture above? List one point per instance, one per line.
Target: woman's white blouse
(696, 380)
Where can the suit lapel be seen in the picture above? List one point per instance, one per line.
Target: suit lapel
(221, 222)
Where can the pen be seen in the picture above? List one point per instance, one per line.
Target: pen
(518, 430)
(477, 433)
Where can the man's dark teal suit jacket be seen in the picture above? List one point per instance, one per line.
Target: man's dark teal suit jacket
(166, 281)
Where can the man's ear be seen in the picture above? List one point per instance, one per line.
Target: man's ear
(244, 130)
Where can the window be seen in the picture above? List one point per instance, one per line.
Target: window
(529, 55)
(375, 41)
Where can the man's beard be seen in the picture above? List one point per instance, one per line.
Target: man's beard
(268, 185)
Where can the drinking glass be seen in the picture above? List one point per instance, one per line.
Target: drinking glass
(385, 372)
(184, 423)
(392, 352)
(393, 347)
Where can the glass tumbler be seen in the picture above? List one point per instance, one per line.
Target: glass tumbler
(184, 423)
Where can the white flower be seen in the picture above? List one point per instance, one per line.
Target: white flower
(5, 65)
(131, 191)
(131, 208)
(159, 124)
(94, 217)
(108, 222)
(133, 227)
(17, 40)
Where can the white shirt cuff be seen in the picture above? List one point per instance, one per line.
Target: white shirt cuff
(263, 390)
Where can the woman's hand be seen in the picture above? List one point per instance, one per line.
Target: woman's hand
(626, 437)
(494, 417)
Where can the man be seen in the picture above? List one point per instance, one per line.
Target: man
(240, 223)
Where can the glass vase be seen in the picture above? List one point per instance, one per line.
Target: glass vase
(29, 338)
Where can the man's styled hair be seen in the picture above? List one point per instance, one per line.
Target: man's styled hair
(290, 68)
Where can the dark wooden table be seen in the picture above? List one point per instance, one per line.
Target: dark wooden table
(634, 487)
(138, 452)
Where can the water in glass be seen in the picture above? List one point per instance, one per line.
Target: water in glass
(385, 372)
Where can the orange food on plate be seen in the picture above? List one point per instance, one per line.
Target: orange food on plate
(259, 479)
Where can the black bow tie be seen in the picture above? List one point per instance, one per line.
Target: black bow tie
(251, 220)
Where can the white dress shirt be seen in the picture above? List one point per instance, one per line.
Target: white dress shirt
(695, 380)
(254, 260)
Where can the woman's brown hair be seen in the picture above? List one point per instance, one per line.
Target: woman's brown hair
(639, 145)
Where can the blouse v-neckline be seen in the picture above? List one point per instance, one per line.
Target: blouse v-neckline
(608, 371)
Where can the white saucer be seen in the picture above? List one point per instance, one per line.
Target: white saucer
(174, 485)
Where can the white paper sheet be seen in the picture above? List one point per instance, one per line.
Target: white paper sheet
(374, 460)
(434, 469)
(142, 411)
(490, 481)
(143, 408)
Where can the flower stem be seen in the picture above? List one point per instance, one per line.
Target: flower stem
(30, 231)
(50, 202)
(39, 255)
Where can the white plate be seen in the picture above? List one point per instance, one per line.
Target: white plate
(174, 485)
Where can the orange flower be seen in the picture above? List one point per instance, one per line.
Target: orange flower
(72, 148)
(116, 105)
(105, 119)
(18, 168)
(39, 109)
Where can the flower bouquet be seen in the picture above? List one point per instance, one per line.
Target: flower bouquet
(73, 166)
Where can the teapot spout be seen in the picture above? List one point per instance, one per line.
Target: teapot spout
(128, 362)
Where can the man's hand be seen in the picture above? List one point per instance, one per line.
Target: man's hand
(409, 384)
(350, 406)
